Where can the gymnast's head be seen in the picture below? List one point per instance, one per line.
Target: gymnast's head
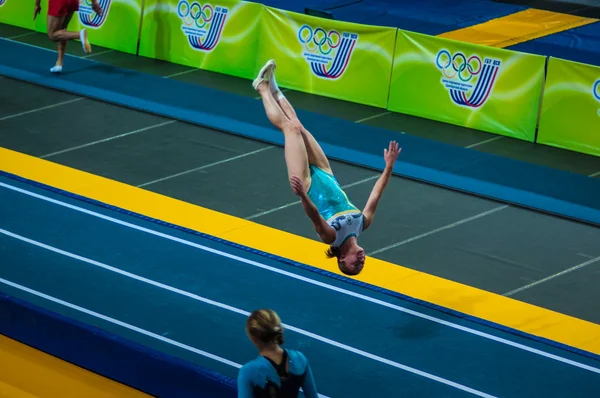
(264, 329)
(350, 257)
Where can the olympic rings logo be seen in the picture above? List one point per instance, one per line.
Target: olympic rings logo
(194, 14)
(319, 39)
(459, 65)
(596, 90)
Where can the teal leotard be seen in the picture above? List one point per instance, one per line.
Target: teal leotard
(328, 196)
(334, 205)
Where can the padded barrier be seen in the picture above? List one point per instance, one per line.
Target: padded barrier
(430, 17)
(462, 13)
(524, 184)
(467, 85)
(224, 43)
(341, 60)
(570, 116)
(580, 45)
(109, 355)
(584, 8)
(301, 5)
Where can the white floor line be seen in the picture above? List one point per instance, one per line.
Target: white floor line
(96, 54)
(245, 313)
(122, 324)
(206, 166)
(561, 273)
(595, 174)
(41, 109)
(435, 231)
(372, 117)
(36, 47)
(185, 72)
(107, 139)
(485, 141)
(21, 35)
(303, 279)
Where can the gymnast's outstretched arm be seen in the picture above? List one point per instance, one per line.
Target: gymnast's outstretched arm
(390, 155)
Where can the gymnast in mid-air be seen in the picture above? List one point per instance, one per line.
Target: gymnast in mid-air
(336, 220)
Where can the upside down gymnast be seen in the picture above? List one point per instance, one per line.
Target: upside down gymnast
(336, 220)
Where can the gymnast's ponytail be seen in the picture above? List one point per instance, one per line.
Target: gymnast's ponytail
(333, 252)
(264, 326)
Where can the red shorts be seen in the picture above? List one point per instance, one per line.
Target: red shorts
(60, 8)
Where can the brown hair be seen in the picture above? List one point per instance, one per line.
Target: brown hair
(344, 270)
(333, 252)
(265, 326)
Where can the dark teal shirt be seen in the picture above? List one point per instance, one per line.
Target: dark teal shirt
(258, 378)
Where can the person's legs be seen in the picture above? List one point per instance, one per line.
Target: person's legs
(296, 156)
(60, 13)
(316, 156)
(57, 33)
(62, 45)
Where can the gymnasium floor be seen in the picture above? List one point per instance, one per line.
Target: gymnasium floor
(178, 160)
(156, 286)
(532, 257)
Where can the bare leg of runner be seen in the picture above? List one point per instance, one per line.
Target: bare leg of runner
(62, 45)
(57, 32)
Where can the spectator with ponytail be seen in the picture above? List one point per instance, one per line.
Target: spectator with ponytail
(277, 372)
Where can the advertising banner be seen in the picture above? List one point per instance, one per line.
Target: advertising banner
(474, 86)
(220, 36)
(570, 117)
(117, 28)
(17, 13)
(336, 59)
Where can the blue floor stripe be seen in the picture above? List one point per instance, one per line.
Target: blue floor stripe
(109, 355)
(311, 269)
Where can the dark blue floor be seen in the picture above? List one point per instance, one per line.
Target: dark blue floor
(580, 45)
(431, 17)
(472, 360)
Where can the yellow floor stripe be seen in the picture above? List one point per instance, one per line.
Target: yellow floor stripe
(502, 310)
(27, 373)
(517, 28)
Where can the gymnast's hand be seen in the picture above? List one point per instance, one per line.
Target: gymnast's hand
(391, 154)
(297, 186)
(37, 10)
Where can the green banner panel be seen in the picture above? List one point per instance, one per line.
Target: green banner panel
(221, 36)
(336, 59)
(570, 116)
(474, 86)
(17, 13)
(117, 28)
